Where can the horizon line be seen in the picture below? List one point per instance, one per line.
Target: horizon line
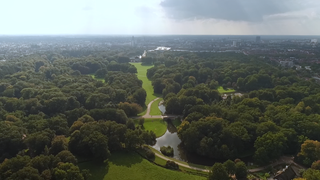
(157, 35)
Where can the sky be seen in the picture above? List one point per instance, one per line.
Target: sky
(160, 17)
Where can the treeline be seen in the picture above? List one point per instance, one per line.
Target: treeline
(275, 114)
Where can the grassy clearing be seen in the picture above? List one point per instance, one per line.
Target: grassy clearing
(221, 90)
(100, 79)
(131, 166)
(147, 85)
(154, 108)
(158, 126)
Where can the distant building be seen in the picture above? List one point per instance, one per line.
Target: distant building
(316, 78)
(298, 67)
(234, 44)
(308, 68)
(135, 59)
(288, 173)
(314, 41)
(258, 39)
(133, 42)
(163, 48)
(144, 53)
(286, 64)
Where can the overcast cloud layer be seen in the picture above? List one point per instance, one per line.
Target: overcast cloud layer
(274, 17)
(233, 10)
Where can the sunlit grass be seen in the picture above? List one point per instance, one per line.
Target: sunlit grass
(221, 90)
(154, 107)
(131, 166)
(147, 85)
(158, 126)
(100, 79)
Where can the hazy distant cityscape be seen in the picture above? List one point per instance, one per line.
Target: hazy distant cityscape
(15, 46)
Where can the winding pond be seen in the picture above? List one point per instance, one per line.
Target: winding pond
(170, 138)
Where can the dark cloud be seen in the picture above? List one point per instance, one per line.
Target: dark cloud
(234, 10)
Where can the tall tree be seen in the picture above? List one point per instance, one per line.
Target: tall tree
(230, 166)
(218, 172)
(241, 170)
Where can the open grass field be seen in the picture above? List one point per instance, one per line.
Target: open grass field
(147, 85)
(131, 166)
(100, 79)
(158, 126)
(154, 108)
(221, 90)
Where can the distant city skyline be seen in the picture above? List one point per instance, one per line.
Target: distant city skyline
(160, 17)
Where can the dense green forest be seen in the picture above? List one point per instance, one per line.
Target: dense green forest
(53, 112)
(276, 111)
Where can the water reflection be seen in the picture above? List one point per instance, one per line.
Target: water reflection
(171, 138)
(162, 108)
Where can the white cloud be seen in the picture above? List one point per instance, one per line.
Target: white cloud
(149, 17)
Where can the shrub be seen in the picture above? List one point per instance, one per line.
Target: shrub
(168, 151)
(172, 165)
(141, 121)
(150, 154)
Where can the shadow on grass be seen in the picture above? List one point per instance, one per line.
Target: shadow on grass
(97, 169)
(125, 159)
(157, 95)
(144, 111)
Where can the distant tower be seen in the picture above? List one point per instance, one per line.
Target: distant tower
(258, 39)
(234, 44)
(132, 42)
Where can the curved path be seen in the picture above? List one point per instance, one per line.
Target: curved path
(147, 115)
(283, 159)
(181, 164)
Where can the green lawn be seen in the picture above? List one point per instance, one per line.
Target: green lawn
(100, 79)
(154, 108)
(131, 166)
(221, 90)
(158, 126)
(147, 85)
